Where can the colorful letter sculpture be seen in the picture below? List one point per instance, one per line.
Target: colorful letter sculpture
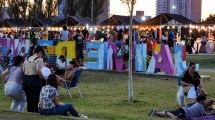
(118, 61)
(100, 54)
(45, 42)
(14, 44)
(140, 57)
(67, 48)
(162, 60)
(180, 59)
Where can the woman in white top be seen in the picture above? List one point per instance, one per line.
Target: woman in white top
(64, 34)
(13, 87)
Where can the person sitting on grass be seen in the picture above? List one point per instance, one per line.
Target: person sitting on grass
(13, 87)
(49, 103)
(196, 110)
(60, 69)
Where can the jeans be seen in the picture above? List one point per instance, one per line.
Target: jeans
(32, 85)
(60, 110)
(15, 91)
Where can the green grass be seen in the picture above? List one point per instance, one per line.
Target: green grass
(105, 95)
(206, 61)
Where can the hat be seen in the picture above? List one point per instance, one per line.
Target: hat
(61, 56)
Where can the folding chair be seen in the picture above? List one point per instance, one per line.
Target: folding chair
(68, 85)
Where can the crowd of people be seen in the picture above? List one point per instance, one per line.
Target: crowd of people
(30, 82)
(194, 90)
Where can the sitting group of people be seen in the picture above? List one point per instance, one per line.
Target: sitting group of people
(195, 92)
(27, 84)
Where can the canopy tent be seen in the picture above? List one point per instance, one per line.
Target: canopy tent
(32, 23)
(74, 21)
(12, 23)
(210, 21)
(45, 21)
(118, 20)
(169, 19)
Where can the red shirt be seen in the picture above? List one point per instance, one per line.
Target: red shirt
(150, 45)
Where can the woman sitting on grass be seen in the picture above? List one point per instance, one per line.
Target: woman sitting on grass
(13, 87)
(49, 103)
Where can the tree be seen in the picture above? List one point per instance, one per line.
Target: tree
(70, 8)
(210, 16)
(50, 9)
(2, 3)
(130, 4)
(85, 8)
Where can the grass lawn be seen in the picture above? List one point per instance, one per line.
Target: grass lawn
(105, 95)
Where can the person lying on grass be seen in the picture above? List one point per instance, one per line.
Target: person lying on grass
(49, 103)
(196, 110)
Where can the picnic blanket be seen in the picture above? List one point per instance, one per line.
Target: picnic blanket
(211, 117)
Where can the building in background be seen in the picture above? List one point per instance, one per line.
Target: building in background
(191, 9)
(140, 17)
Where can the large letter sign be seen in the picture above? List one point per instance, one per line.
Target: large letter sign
(140, 57)
(67, 48)
(100, 54)
(162, 60)
(180, 58)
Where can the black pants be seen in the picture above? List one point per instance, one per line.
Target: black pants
(179, 113)
(32, 85)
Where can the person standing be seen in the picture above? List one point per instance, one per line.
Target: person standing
(79, 47)
(13, 87)
(32, 82)
(45, 34)
(64, 34)
(171, 39)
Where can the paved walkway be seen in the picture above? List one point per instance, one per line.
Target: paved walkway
(207, 70)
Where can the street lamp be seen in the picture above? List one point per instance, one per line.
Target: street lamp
(143, 18)
(174, 7)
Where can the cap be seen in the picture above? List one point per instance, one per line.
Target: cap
(61, 56)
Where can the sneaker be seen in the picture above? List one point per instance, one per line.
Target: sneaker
(83, 116)
(152, 113)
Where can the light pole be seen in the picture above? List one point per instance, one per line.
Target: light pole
(92, 2)
(174, 7)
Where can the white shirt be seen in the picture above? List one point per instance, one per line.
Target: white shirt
(46, 71)
(65, 34)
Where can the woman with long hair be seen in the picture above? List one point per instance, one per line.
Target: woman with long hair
(49, 103)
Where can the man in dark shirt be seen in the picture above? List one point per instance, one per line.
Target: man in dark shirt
(79, 47)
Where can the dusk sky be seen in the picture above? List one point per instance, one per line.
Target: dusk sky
(117, 7)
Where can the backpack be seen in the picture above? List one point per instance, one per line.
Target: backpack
(119, 53)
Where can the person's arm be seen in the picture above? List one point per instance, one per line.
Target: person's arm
(57, 102)
(70, 76)
(184, 84)
(207, 113)
(5, 73)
